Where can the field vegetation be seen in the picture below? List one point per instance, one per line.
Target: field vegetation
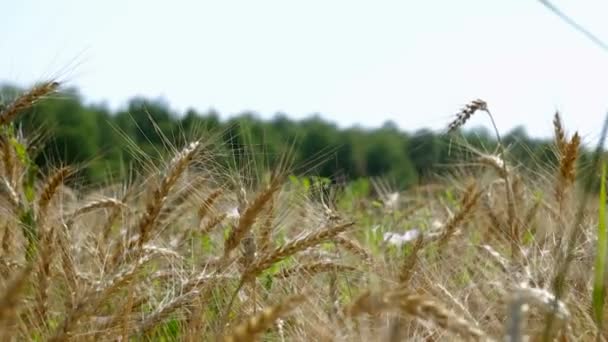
(195, 238)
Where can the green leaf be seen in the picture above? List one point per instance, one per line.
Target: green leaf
(21, 151)
(600, 259)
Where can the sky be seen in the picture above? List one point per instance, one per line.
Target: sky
(353, 62)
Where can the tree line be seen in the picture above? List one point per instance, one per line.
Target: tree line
(73, 132)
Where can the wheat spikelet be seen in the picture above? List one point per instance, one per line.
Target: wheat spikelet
(429, 310)
(264, 236)
(368, 302)
(314, 268)
(103, 203)
(164, 311)
(176, 167)
(12, 196)
(182, 198)
(353, 247)
(416, 306)
(567, 169)
(47, 248)
(26, 100)
(207, 204)
(502, 262)
(292, 247)
(67, 264)
(560, 135)
(110, 221)
(544, 300)
(465, 114)
(468, 203)
(212, 223)
(408, 265)
(531, 214)
(540, 298)
(247, 219)
(496, 163)
(7, 238)
(10, 298)
(91, 300)
(126, 314)
(50, 189)
(251, 328)
(8, 159)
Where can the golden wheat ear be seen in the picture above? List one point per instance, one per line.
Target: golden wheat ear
(292, 247)
(10, 298)
(26, 100)
(560, 134)
(255, 325)
(249, 216)
(50, 188)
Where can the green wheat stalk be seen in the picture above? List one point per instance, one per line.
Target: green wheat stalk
(600, 258)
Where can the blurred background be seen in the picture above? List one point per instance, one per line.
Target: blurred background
(369, 86)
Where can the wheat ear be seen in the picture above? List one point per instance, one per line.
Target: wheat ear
(560, 135)
(176, 167)
(10, 298)
(49, 190)
(468, 203)
(247, 219)
(416, 306)
(409, 263)
(314, 268)
(353, 247)
(294, 246)
(252, 327)
(26, 100)
(465, 114)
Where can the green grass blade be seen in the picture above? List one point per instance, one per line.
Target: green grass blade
(600, 259)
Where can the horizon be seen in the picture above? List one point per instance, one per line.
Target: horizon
(358, 66)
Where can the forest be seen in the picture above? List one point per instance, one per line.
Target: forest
(108, 142)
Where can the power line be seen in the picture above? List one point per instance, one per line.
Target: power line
(574, 24)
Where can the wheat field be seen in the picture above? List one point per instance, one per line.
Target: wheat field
(189, 251)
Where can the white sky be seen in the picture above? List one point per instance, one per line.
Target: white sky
(365, 62)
